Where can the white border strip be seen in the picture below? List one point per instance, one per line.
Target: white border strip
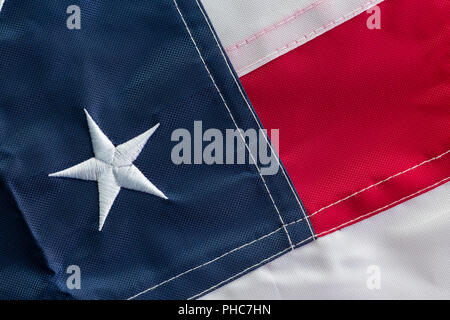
(408, 243)
(285, 37)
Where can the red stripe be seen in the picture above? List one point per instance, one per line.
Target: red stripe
(362, 113)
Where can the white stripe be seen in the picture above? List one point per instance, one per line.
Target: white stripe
(408, 243)
(255, 32)
(1, 4)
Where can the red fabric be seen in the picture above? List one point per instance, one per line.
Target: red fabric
(357, 106)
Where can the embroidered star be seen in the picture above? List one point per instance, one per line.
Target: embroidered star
(112, 167)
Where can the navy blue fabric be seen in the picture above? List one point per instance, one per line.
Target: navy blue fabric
(131, 65)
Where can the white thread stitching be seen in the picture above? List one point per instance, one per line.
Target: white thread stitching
(249, 243)
(382, 181)
(238, 274)
(2, 2)
(315, 32)
(382, 208)
(112, 167)
(256, 119)
(319, 234)
(325, 232)
(297, 13)
(206, 263)
(234, 121)
(375, 184)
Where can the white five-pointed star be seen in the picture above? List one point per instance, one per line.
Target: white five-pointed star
(112, 167)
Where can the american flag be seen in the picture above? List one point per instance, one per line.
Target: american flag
(254, 149)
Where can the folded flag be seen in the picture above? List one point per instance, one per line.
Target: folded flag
(133, 165)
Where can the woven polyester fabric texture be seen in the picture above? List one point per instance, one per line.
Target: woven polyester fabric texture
(130, 66)
(370, 106)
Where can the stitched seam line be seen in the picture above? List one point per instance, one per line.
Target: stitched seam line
(284, 226)
(248, 269)
(270, 28)
(234, 121)
(277, 230)
(376, 184)
(314, 33)
(206, 263)
(385, 207)
(319, 234)
(256, 120)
